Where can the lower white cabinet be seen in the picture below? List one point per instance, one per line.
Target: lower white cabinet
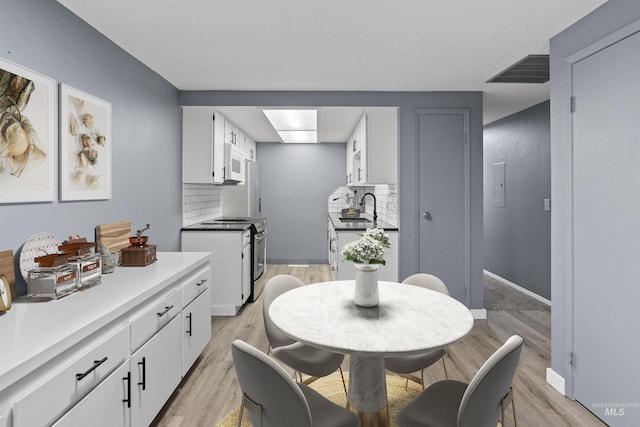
(155, 373)
(106, 406)
(231, 262)
(70, 383)
(344, 270)
(123, 373)
(196, 329)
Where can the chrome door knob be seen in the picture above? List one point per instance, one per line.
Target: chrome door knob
(427, 216)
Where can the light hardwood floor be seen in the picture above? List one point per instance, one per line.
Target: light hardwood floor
(210, 390)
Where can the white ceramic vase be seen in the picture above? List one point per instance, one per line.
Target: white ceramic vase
(366, 289)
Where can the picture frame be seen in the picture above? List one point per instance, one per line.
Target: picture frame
(27, 135)
(85, 146)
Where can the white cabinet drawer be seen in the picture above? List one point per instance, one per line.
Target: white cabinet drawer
(48, 401)
(195, 284)
(155, 318)
(106, 406)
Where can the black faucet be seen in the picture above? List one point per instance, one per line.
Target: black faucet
(375, 211)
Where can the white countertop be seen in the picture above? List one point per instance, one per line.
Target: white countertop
(408, 320)
(32, 333)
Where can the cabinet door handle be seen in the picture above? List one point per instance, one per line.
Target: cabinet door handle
(143, 383)
(359, 174)
(165, 311)
(189, 330)
(96, 363)
(201, 282)
(128, 398)
(427, 215)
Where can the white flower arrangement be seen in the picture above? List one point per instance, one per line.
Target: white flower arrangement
(369, 249)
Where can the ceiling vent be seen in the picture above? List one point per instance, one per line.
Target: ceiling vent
(531, 69)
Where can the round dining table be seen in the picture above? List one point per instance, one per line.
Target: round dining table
(408, 320)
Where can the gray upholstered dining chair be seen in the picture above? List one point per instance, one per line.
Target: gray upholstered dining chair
(406, 365)
(450, 403)
(273, 399)
(302, 358)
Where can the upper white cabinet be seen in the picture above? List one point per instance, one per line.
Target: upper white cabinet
(202, 146)
(204, 135)
(372, 149)
(249, 148)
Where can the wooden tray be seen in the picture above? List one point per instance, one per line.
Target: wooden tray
(6, 268)
(115, 236)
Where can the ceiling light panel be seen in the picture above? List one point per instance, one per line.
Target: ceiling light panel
(299, 136)
(293, 119)
(295, 126)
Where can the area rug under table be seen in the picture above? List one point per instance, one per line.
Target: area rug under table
(331, 388)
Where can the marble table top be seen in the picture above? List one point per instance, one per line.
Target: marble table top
(408, 320)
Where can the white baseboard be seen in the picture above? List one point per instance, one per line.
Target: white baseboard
(518, 288)
(555, 380)
(479, 313)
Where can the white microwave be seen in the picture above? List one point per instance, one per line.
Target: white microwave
(233, 165)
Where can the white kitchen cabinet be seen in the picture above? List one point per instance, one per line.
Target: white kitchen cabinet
(232, 134)
(249, 148)
(68, 384)
(74, 368)
(359, 152)
(373, 151)
(202, 146)
(333, 252)
(196, 329)
(349, 177)
(231, 261)
(155, 373)
(344, 270)
(106, 406)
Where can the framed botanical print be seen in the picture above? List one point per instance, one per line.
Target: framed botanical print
(85, 146)
(27, 135)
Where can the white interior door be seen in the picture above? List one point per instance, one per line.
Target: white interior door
(444, 198)
(606, 232)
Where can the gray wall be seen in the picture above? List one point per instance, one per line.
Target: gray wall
(594, 28)
(297, 179)
(517, 237)
(47, 38)
(408, 103)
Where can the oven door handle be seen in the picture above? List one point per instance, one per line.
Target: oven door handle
(260, 236)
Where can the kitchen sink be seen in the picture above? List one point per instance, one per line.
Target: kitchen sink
(355, 219)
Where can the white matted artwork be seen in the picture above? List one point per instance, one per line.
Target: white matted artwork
(27, 135)
(85, 146)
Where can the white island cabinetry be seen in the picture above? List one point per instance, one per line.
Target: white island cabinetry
(110, 355)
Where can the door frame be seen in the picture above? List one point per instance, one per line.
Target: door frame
(565, 270)
(467, 189)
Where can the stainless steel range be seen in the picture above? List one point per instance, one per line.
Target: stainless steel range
(258, 242)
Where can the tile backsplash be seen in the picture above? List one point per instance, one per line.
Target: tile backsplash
(200, 202)
(386, 197)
